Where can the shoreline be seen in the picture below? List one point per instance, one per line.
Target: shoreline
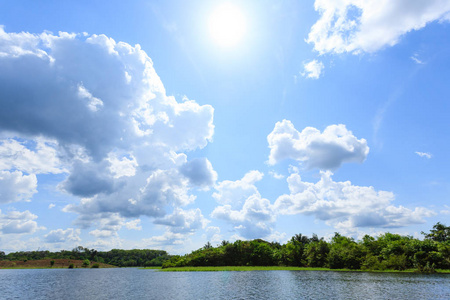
(278, 268)
(47, 264)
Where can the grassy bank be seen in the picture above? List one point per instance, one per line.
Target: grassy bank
(278, 268)
(47, 264)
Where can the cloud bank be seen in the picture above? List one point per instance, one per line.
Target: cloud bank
(346, 206)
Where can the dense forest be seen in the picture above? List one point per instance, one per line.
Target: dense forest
(387, 251)
(115, 257)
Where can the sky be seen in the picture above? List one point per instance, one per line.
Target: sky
(168, 124)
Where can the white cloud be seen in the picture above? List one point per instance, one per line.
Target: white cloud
(424, 154)
(213, 235)
(168, 241)
(16, 155)
(326, 150)
(183, 221)
(417, 60)
(236, 192)
(94, 104)
(15, 186)
(16, 222)
(346, 206)
(51, 205)
(313, 69)
(62, 236)
(133, 225)
(276, 175)
(106, 244)
(106, 224)
(200, 172)
(252, 219)
(446, 210)
(126, 157)
(369, 25)
(103, 233)
(122, 167)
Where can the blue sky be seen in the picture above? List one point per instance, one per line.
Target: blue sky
(167, 124)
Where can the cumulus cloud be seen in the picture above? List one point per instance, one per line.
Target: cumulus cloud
(103, 233)
(344, 205)
(236, 192)
(61, 236)
(276, 175)
(90, 179)
(200, 172)
(16, 222)
(15, 186)
(424, 154)
(134, 225)
(252, 219)
(213, 235)
(313, 69)
(96, 109)
(106, 224)
(327, 150)
(166, 241)
(368, 25)
(183, 221)
(17, 155)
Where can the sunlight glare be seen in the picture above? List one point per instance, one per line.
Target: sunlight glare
(227, 25)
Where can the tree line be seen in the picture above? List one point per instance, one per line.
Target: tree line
(387, 251)
(115, 257)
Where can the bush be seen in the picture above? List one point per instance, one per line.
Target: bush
(86, 263)
(396, 262)
(427, 269)
(52, 262)
(71, 266)
(95, 266)
(372, 262)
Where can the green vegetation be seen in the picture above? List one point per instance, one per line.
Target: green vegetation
(385, 252)
(86, 263)
(115, 257)
(95, 266)
(280, 268)
(71, 266)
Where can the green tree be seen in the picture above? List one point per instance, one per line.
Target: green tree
(345, 253)
(316, 253)
(439, 233)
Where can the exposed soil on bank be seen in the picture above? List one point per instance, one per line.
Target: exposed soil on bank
(46, 263)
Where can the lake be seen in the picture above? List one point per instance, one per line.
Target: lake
(133, 283)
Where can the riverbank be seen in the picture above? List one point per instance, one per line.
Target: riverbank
(47, 264)
(280, 268)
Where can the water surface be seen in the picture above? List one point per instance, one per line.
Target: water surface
(132, 283)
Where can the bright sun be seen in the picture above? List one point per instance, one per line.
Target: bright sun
(227, 25)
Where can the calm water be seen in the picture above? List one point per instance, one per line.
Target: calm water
(150, 284)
